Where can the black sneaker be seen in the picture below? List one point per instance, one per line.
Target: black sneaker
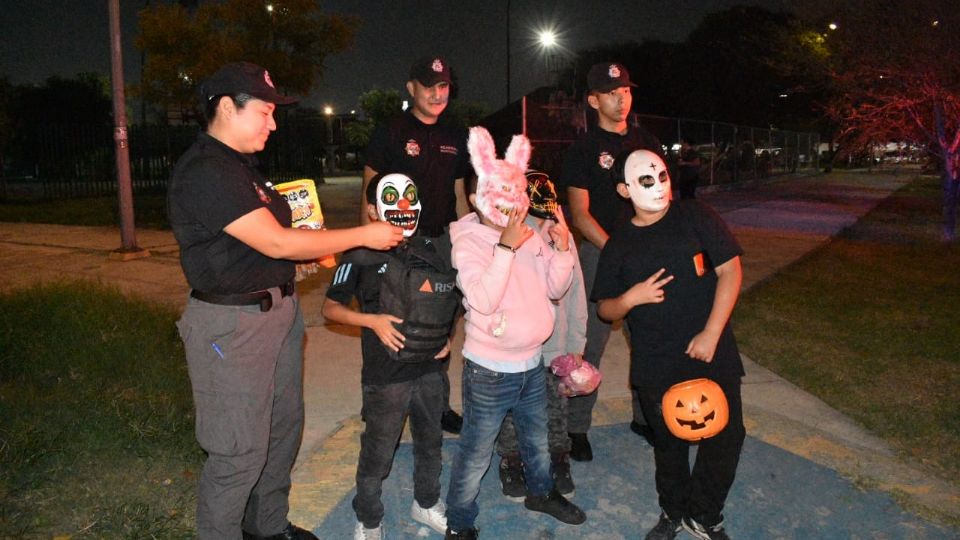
(556, 505)
(560, 470)
(665, 529)
(643, 430)
(580, 449)
(468, 534)
(714, 532)
(451, 422)
(512, 483)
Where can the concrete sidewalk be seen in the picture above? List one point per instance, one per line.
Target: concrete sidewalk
(777, 223)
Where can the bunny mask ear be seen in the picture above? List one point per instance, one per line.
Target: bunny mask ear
(501, 184)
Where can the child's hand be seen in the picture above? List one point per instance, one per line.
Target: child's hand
(516, 232)
(382, 325)
(444, 351)
(649, 291)
(703, 346)
(559, 232)
(577, 359)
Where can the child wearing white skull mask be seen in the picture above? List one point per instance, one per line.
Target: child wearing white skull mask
(395, 385)
(674, 274)
(508, 275)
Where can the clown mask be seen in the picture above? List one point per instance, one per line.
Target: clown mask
(398, 202)
(501, 184)
(543, 196)
(647, 181)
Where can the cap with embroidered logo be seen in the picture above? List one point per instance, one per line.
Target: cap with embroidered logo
(243, 78)
(430, 70)
(607, 76)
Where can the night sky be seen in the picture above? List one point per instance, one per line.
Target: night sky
(41, 38)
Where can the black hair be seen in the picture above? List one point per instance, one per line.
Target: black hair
(211, 104)
(371, 192)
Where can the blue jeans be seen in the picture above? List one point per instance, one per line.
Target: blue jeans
(487, 397)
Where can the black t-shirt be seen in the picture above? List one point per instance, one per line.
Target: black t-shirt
(689, 242)
(432, 155)
(358, 276)
(588, 164)
(211, 186)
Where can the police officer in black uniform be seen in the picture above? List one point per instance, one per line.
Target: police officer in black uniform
(597, 210)
(242, 328)
(422, 145)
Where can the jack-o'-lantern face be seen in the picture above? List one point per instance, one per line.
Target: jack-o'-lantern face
(695, 409)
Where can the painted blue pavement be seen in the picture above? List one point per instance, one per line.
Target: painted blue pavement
(776, 495)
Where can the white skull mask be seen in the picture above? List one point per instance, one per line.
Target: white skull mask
(647, 180)
(398, 202)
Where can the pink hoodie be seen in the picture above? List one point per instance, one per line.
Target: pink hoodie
(506, 295)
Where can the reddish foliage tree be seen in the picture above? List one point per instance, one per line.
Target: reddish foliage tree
(896, 69)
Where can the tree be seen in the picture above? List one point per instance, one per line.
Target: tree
(291, 39)
(896, 67)
(377, 106)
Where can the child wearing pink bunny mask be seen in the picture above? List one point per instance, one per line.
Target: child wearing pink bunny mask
(508, 276)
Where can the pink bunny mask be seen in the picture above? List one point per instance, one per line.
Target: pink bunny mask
(501, 184)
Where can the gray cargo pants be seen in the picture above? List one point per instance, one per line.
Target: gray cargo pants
(246, 370)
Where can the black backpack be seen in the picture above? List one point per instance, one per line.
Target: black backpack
(420, 287)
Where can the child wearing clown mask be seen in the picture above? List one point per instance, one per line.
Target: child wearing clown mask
(392, 389)
(508, 276)
(674, 273)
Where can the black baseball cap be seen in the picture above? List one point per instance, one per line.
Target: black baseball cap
(430, 70)
(242, 78)
(607, 76)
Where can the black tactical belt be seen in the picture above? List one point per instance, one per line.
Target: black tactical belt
(257, 298)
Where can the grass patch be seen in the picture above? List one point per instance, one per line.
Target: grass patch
(150, 211)
(96, 417)
(868, 323)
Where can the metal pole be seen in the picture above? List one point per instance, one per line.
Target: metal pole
(508, 52)
(128, 236)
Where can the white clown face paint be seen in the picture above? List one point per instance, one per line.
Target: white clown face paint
(648, 181)
(398, 202)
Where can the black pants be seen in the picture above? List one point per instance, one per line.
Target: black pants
(702, 492)
(384, 409)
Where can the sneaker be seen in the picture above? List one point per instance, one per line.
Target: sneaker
(362, 533)
(291, 532)
(714, 532)
(580, 449)
(560, 471)
(451, 422)
(512, 483)
(468, 534)
(434, 517)
(665, 529)
(556, 505)
(643, 430)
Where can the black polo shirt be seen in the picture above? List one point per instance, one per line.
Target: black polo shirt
(588, 164)
(433, 155)
(211, 186)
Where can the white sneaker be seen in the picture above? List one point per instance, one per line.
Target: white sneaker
(362, 533)
(434, 517)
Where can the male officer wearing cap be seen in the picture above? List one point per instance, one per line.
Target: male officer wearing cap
(420, 144)
(242, 328)
(597, 210)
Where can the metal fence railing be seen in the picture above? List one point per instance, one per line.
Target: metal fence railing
(728, 153)
(62, 161)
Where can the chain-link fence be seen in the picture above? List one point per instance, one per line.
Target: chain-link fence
(728, 153)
